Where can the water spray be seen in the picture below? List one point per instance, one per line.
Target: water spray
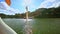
(27, 27)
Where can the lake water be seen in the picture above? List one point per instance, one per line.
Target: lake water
(39, 26)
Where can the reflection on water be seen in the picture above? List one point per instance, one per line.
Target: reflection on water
(39, 26)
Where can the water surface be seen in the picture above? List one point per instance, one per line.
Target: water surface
(39, 26)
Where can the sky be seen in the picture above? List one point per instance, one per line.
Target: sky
(18, 6)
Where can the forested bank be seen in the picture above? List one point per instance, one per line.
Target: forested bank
(38, 13)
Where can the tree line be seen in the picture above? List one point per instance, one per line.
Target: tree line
(38, 13)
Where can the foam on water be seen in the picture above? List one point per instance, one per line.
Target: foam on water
(27, 27)
(28, 20)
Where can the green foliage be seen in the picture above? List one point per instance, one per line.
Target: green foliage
(47, 13)
(38, 13)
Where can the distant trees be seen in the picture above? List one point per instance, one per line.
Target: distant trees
(38, 13)
(8, 16)
(47, 13)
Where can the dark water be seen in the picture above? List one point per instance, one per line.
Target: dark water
(39, 26)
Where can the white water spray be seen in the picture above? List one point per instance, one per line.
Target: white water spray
(27, 27)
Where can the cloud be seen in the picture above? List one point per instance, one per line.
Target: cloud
(46, 3)
(3, 5)
(5, 8)
(6, 12)
(26, 2)
(30, 4)
(55, 5)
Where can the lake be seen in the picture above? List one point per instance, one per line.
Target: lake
(39, 26)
